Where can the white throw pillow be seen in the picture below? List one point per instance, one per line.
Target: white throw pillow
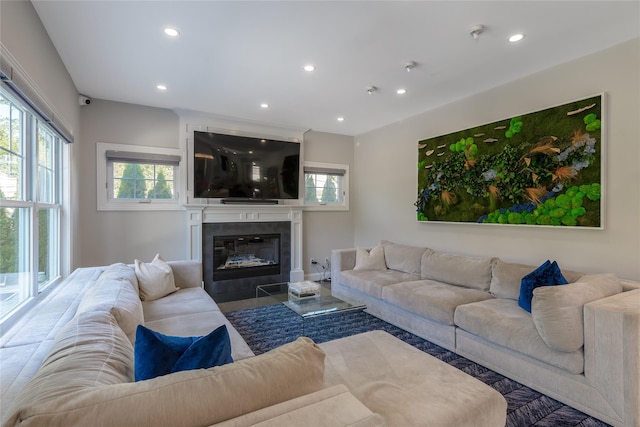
(558, 310)
(155, 279)
(370, 260)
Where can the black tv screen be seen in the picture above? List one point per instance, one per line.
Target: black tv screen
(231, 166)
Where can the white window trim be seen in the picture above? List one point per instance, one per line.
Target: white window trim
(344, 206)
(59, 252)
(106, 204)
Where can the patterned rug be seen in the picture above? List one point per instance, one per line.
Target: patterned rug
(268, 327)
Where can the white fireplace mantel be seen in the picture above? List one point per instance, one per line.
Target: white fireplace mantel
(202, 214)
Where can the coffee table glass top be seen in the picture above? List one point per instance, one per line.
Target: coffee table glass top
(323, 304)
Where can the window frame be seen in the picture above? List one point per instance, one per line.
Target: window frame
(30, 202)
(146, 155)
(342, 206)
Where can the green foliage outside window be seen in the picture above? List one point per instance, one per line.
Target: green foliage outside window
(140, 181)
(310, 190)
(161, 190)
(8, 239)
(329, 193)
(132, 184)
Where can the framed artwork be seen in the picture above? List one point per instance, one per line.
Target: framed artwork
(538, 169)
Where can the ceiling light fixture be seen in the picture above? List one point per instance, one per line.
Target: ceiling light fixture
(161, 87)
(264, 105)
(340, 119)
(371, 90)
(171, 32)
(516, 38)
(476, 30)
(309, 68)
(410, 66)
(401, 91)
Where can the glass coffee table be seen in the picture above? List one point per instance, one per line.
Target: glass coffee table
(323, 304)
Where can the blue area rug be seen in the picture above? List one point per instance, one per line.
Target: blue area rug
(265, 328)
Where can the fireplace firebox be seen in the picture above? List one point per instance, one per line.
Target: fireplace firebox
(236, 257)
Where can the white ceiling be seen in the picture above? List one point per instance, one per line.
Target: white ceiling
(232, 56)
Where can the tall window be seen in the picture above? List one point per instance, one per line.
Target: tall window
(326, 186)
(30, 204)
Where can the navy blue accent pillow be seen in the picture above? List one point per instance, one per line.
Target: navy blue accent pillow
(156, 354)
(548, 274)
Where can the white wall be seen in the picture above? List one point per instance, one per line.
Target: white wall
(386, 173)
(118, 236)
(324, 231)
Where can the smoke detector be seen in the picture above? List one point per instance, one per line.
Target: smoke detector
(476, 30)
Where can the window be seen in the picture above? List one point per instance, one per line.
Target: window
(31, 155)
(138, 178)
(326, 186)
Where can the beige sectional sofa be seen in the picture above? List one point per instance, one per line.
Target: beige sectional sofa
(580, 344)
(371, 379)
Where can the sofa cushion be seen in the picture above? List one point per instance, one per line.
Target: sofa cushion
(403, 258)
(184, 301)
(548, 274)
(190, 312)
(371, 282)
(116, 291)
(156, 354)
(89, 352)
(370, 260)
(433, 300)
(155, 279)
(198, 397)
(335, 406)
(506, 278)
(457, 270)
(502, 322)
(557, 311)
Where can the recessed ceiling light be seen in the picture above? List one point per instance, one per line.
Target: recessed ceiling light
(401, 91)
(341, 119)
(516, 38)
(171, 32)
(161, 87)
(264, 105)
(309, 67)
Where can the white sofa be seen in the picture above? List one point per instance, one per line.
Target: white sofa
(580, 344)
(371, 379)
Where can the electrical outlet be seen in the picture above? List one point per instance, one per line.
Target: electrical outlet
(313, 261)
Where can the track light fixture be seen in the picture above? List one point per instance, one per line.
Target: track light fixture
(476, 30)
(371, 90)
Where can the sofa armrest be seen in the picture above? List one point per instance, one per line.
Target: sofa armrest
(187, 274)
(629, 285)
(612, 352)
(342, 260)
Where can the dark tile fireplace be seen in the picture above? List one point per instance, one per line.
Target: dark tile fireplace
(238, 256)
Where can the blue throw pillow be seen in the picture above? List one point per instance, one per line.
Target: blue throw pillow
(156, 354)
(548, 274)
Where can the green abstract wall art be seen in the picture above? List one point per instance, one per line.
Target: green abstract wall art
(538, 169)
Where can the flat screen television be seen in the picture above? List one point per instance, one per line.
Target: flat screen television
(240, 167)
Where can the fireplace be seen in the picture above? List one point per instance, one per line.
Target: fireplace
(239, 256)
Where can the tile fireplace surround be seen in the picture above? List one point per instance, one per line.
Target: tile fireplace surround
(198, 215)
